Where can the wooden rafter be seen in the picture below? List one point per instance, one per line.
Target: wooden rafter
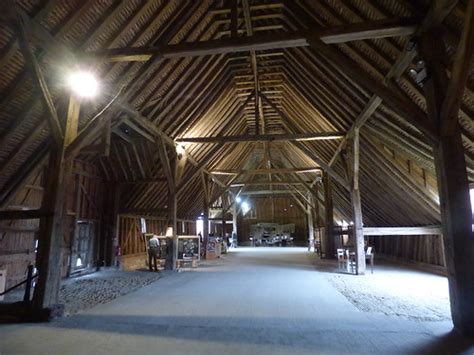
(267, 171)
(459, 74)
(395, 99)
(264, 138)
(338, 34)
(309, 153)
(35, 68)
(268, 183)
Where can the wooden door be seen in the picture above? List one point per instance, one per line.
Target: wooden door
(84, 248)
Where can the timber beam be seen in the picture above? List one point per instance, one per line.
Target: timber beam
(449, 156)
(271, 183)
(302, 147)
(435, 17)
(268, 192)
(144, 211)
(336, 34)
(267, 171)
(23, 214)
(264, 138)
(382, 231)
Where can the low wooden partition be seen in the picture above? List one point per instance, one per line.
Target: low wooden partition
(132, 262)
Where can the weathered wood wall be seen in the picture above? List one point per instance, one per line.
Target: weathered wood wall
(285, 210)
(130, 235)
(216, 227)
(85, 199)
(83, 204)
(427, 249)
(17, 237)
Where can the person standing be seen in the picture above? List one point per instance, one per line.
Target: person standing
(153, 252)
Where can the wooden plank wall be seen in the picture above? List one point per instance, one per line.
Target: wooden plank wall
(284, 214)
(216, 227)
(427, 249)
(130, 236)
(17, 238)
(85, 198)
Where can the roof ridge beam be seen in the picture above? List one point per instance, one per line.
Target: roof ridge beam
(264, 138)
(257, 42)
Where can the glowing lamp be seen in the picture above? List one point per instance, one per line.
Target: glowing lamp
(180, 149)
(83, 84)
(78, 262)
(245, 207)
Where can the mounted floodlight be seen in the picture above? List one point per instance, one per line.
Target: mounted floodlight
(169, 232)
(79, 262)
(238, 199)
(83, 84)
(245, 207)
(180, 149)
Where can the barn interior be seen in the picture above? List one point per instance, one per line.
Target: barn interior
(339, 123)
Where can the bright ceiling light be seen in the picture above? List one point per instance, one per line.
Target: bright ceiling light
(238, 199)
(83, 83)
(180, 150)
(245, 207)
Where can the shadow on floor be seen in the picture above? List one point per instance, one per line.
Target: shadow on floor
(259, 261)
(449, 343)
(301, 334)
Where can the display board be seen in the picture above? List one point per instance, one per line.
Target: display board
(188, 247)
(163, 246)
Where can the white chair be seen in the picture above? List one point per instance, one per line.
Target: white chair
(351, 261)
(370, 255)
(341, 260)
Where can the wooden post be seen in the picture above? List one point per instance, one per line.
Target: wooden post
(451, 173)
(328, 245)
(51, 227)
(50, 233)
(224, 208)
(205, 228)
(234, 18)
(309, 213)
(234, 222)
(172, 223)
(205, 217)
(316, 204)
(73, 247)
(116, 225)
(353, 171)
(170, 175)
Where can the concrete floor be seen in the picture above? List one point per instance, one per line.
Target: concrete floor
(254, 301)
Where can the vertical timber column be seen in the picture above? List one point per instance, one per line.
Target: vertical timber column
(50, 242)
(458, 238)
(205, 228)
(50, 233)
(310, 227)
(353, 168)
(116, 225)
(170, 175)
(109, 227)
(205, 217)
(172, 222)
(453, 185)
(224, 206)
(328, 246)
(316, 215)
(234, 223)
(114, 241)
